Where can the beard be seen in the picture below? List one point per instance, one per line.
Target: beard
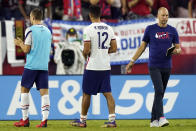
(164, 22)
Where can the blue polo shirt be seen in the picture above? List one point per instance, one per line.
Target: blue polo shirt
(159, 40)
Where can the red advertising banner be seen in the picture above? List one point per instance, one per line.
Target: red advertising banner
(187, 34)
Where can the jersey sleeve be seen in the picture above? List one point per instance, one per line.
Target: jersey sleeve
(86, 35)
(28, 37)
(146, 37)
(176, 37)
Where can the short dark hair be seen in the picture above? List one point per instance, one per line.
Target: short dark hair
(37, 13)
(95, 11)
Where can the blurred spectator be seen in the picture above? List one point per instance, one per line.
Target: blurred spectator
(173, 7)
(116, 9)
(85, 9)
(105, 9)
(72, 10)
(139, 9)
(192, 8)
(26, 6)
(9, 9)
(57, 9)
(68, 55)
(159, 3)
(124, 8)
(1, 11)
(182, 9)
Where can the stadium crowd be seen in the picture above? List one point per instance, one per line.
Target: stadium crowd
(112, 10)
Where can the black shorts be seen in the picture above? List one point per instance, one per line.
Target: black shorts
(96, 82)
(40, 77)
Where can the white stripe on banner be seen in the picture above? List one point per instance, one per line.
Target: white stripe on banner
(11, 55)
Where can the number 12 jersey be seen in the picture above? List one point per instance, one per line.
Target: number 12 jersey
(99, 35)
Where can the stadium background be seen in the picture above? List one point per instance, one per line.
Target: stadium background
(133, 93)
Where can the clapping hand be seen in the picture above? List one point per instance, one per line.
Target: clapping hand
(18, 41)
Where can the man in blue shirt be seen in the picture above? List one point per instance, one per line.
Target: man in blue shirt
(160, 37)
(37, 47)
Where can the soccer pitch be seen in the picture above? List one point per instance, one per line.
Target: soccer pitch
(95, 125)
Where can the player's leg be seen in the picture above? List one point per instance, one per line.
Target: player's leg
(89, 87)
(25, 102)
(28, 79)
(157, 109)
(165, 77)
(111, 106)
(105, 88)
(86, 98)
(42, 85)
(165, 73)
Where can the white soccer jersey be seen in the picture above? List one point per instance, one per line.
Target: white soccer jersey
(100, 36)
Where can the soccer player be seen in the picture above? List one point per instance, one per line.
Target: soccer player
(37, 47)
(99, 41)
(160, 37)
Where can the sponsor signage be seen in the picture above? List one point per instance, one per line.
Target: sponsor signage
(133, 96)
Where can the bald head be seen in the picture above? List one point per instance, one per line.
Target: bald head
(162, 10)
(162, 16)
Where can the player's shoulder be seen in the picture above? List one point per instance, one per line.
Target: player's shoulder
(171, 27)
(28, 30)
(152, 26)
(87, 28)
(107, 25)
(45, 27)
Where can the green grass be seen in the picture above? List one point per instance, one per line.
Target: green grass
(95, 125)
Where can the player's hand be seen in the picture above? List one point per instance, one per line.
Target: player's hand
(176, 51)
(18, 41)
(129, 67)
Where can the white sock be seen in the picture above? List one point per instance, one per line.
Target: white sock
(83, 118)
(25, 105)
(112, 117)
(45, 107)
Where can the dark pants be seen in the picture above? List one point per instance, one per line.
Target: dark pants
(160, 77)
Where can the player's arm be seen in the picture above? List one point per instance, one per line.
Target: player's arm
(138, 53)
(177, 49)
(132, 3)
(113, 46)
(175, 41)
(87, 49)
(22, 10)
(190, 9)
(24, 47)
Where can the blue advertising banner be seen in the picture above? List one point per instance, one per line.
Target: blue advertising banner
(133, 95)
